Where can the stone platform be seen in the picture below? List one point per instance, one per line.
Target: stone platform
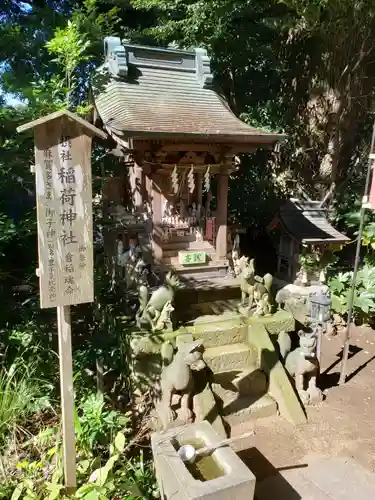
(207, 295)
(335, 478)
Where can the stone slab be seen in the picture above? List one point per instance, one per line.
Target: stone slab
(341, 478)
(205, 408)
(229, 316)
(175, 480)
(289, 485)
(234, 356)
(336, 478)
(216, 330)
(280, 387)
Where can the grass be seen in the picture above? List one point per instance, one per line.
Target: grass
(21, 394)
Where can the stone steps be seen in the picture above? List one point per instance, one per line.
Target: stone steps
(233, 356)
(241, 395)
(239, 410)
(186, 245)
(220, 330)
(177, 239)
(193, 271)
(251, 381)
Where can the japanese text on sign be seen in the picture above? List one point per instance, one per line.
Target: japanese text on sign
(191, 258)
(64, 223)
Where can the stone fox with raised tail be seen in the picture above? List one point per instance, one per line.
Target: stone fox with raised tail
(257, 290)
(159, 306)
(177, 378)
(302, 363)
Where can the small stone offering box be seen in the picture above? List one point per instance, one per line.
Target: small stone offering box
(219, 476)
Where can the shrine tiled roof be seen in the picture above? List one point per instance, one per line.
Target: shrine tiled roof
(307, 222)
(152, 92)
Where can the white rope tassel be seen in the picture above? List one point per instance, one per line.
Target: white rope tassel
(191, 183)
(207, 179)
(175, 180)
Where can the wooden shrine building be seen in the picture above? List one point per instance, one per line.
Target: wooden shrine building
(179, 140)
(302, 224)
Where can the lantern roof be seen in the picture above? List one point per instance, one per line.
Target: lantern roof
(160, 93)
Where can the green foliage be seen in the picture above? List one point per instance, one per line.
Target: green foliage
(21, 395)
(69, 47)
(364, 296)
(301, 67)
(96, 425)
(313, 261)
(309, 261)
(104, 475)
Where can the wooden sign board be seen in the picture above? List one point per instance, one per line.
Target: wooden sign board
(64, 212)
(192, 258)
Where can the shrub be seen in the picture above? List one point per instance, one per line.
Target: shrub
(364, 296)
(96, 425)
(104, 472)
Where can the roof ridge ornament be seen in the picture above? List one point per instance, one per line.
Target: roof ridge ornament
(203, 68)
(115, 56)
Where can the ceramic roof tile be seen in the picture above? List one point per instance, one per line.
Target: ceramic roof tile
(308, 223)
(160, 92)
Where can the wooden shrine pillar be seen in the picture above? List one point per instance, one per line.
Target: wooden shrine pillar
(198, 187)
(222, 216)
(156, 203)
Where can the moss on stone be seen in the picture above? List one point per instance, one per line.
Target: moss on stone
(281, 320)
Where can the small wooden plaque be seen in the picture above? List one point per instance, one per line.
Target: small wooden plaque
(192, 258)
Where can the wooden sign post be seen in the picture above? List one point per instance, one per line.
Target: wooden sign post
(65, 236)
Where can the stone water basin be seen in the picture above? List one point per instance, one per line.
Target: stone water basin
(220, 476)
(204, 468)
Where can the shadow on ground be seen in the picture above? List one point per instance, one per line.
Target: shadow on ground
(263, 469)
(327, 380)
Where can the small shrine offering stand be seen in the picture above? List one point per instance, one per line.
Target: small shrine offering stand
(65, 235)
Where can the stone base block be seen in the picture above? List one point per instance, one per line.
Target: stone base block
(221, 477)
(238, 410)
(234, 356)
(217, 334)
(275, 323)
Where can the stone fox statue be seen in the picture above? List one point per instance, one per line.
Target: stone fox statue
(302, 362)
(159, 306)
(256, 289)
(177, 378)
